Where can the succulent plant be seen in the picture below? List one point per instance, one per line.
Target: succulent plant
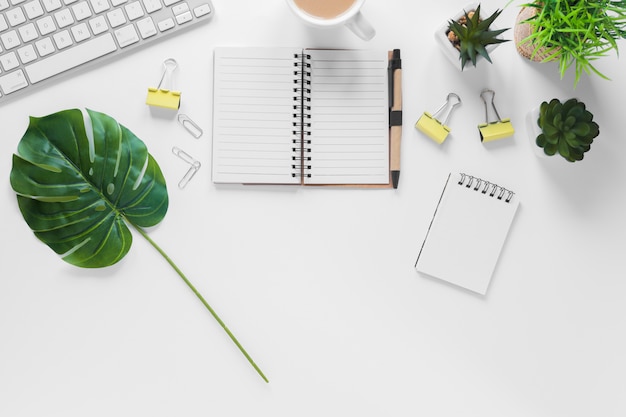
(470, 35)
(567, 128)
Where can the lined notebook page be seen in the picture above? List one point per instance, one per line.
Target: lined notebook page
(349, 117)
(253, 115)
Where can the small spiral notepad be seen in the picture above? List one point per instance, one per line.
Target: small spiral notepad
(467, 232)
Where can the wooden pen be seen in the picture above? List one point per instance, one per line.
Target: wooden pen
(395, 114)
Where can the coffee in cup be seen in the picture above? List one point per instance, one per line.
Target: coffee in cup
(331, 13)
(324, 9)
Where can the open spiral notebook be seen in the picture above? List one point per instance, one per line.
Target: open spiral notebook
(468, 230)
(300, 116)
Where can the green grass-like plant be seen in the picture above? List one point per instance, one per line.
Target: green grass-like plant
(576, 32)
(473, 35)
(567, 128)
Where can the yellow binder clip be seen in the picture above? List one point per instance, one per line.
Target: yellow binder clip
(431, 126)
(498, 129)
(162, 97)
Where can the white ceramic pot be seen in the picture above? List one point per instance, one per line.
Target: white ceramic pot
(534, 130)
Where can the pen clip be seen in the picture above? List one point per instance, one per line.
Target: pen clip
(395, 63)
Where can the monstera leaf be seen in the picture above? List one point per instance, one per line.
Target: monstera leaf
(81, 180)
(76, 190)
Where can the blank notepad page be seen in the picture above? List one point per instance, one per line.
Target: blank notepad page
(467, 232)
(349, 117)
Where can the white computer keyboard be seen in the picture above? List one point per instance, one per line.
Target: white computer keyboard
(42, 39)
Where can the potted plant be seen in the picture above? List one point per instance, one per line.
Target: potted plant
(469, 37)
(572, 32)
(564, 128)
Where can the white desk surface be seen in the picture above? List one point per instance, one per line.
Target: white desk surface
(319, 284)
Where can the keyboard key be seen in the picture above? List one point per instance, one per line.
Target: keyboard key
(126, 36)
(183, 18)
(46, 25)
(27, 54)
(63, 18)
(81, 11)
(10, 40)
(180, 8)
(4, 4)
(202, 10)
(13, 81)
(33, 9)
(44, 46)
(9, 61)
(51, 5)
(116, 18)
(134, 10)
(99, 5)
(152, 5)
(62, 39)
(80, 32)
(16, 16)
(28, 32)
(146, 27)
(166, 24)
(3, 24)
(98, 25)
(70, 58)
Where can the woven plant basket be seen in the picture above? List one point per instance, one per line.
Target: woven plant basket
(521, 31)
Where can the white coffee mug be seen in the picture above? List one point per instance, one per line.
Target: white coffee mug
(352, 18)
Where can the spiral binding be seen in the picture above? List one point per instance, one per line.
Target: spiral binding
(485, 187)
(301, 132)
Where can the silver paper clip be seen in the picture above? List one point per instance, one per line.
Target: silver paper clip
(190, 126)
(194, 166)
